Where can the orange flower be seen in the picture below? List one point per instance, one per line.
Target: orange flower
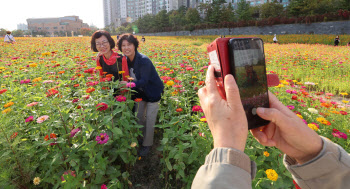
(179, 110)
(47, 137)
(53, 135)
(201, 83)
(76, 85)
(109, 75)
(327, 105)
(90, 90)
(61, 72)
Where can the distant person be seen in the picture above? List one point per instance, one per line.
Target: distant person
(118, 37)
(336, 41)
(275, 39)
(9, 38)
(143, 39)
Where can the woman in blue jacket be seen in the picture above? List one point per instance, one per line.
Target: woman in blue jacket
(149, 87)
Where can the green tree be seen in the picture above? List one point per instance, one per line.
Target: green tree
(192, 16)
(271, 9)
(2, 32)
(86, 31)
(227, 13)
(162, 20)
(17, 33)
(206, 9)
(176, 19)
(243, 11)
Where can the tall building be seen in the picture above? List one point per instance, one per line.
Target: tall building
(23, 27)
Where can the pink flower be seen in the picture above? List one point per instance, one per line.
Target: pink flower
(25, 81)
(103, 186)
(75, 100)
(102, 139)
(74, 131)
(102, 106)
(48, 81)
(66, 173)
(42, 118)
(197, 109)
(120, 98)
(131, 85)
(29, 119)
(32, 104)
(339, 134)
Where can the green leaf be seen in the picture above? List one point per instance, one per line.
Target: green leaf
(168, 165)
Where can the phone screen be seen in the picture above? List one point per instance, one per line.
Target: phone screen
(247, 56)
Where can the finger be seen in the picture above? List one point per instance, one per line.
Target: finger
(210, 82)
(202, 94)
(262, 138)
(275, 103)
(275, 116)
(232, 91)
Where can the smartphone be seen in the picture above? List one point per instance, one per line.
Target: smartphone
(247, 64)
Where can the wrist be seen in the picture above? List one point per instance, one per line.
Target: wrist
(229, 144)
(311, 154)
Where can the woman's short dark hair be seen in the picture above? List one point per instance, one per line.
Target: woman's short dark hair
(8, 32)
(130, 38)
(97, 35)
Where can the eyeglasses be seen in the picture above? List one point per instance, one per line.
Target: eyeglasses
(104, 43)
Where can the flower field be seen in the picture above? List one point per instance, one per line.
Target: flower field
(62, 128)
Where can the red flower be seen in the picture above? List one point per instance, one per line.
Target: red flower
(66, 173)
(46, 138)
(51, 92)
(138, 100)
(14, 135)
(120, 98)
(90, 90)
(102, 106)
(294, 97)
(3, 91)
(335, 130)
(296, 185)
(75, 100)
(197, 109)
(179, 110)
(343, 113)
(76, 85)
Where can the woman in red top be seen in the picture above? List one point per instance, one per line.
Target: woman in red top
(112, 63)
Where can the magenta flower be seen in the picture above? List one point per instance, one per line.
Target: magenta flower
(120, 98)
(25, 81)
(102, 106)
(29, 119)
(42, 118)
(74, 131)
(290, 107)
(197, 109)
(102, 139)
(75, 100)
(339, 134)
(103, 186)
(131, 85)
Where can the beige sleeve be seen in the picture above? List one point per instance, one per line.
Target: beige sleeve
(225, 168)
(329, 169)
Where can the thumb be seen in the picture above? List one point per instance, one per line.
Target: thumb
(232, 91)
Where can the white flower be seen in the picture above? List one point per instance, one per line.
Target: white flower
(309, 83)
(313, 110)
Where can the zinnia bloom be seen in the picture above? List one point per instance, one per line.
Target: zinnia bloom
(179, 110)
(271, 174)
(120, 98)
(74, 131)
(266, 154)
(290, 107)
(3, 91)
(170, 83)
(102, 139)
(36, 181)
(131, 85)
(32, 104)
(42, 118)
(313, 110)
(102, 106)
(197, 109)
(8, 104)
(313, 126)
(138, 100)
(90, 90)
(6, 111)
(14, 135)
(103, 186)
(29, 119)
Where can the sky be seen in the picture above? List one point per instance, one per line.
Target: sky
(15, 12)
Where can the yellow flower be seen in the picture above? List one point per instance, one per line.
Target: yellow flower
(33, 65)
(284, 82)
(121, 72)
(170, 83)
(271, 174)
(345, 101)
(36, 181)
(6, 111)
(194, 77)
(174, 93)
(313, 126)
(299, 83)
(8, 104)
(295, 81)
(98, 68)
(300, 116)
(203, 119)
(266, 154)
(344, 94)
(280, 85)
(37, 79)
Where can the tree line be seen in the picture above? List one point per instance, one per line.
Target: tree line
(220, 14)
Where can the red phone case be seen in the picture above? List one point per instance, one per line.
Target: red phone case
(218, 55)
